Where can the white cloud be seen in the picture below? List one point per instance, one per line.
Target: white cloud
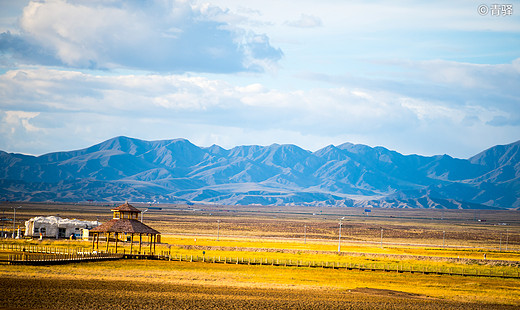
(162, 36)
(468, 75)
(369, 16)
(440, 88)
(13, 120)
(52, 103)
(306, 21)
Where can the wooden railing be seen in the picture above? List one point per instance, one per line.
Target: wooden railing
(399, 268)
(41, 255)
(53, 259)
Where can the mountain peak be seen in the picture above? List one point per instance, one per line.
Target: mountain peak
(355, 148)
(124, 168)
(216, 150)
(330, 153)
(499, 155)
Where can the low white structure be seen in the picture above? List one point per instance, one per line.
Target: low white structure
(57, 227)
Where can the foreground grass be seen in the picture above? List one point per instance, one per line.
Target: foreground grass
(161, 285)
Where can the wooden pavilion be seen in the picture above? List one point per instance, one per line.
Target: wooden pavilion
(125, 222)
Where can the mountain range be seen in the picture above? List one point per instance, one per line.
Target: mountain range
(177, 171)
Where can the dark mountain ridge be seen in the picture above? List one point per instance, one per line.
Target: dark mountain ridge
(176, 170)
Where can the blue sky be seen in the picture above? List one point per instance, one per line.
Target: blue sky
(423, 77)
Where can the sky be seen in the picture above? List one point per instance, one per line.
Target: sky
(417, 77)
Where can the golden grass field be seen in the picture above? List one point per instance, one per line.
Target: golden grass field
(415, 238)
(173, 285)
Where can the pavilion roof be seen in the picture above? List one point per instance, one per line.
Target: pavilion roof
(126, 207)
(125, 226)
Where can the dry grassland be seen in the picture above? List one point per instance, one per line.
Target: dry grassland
(173, 285)
(413, 237)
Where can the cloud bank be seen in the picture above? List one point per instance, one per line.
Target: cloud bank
(159, 36)
(54, 103)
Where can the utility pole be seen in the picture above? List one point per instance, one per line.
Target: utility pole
(339, 239)
(507, 237)
(218, 230)
(381, 238)
(142, 215)
(14, 218)
(3, 218)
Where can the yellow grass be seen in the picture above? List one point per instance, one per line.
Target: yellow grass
(453, 288)
(332, 246)
(261, 236)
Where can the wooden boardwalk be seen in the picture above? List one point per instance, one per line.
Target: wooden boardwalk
(56, 259)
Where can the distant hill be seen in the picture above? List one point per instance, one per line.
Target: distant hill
(123, 168)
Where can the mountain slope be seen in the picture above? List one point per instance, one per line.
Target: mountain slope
(176, 170)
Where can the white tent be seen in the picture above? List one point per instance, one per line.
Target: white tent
(57, 227)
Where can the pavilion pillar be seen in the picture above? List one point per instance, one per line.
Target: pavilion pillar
(131, 242)
(154, 242)
(93, 240)
(140, 242)
(108, 240)
(117, 237)
(97, 241)
(150, 238)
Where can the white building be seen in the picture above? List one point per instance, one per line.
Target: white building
(56, 227)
